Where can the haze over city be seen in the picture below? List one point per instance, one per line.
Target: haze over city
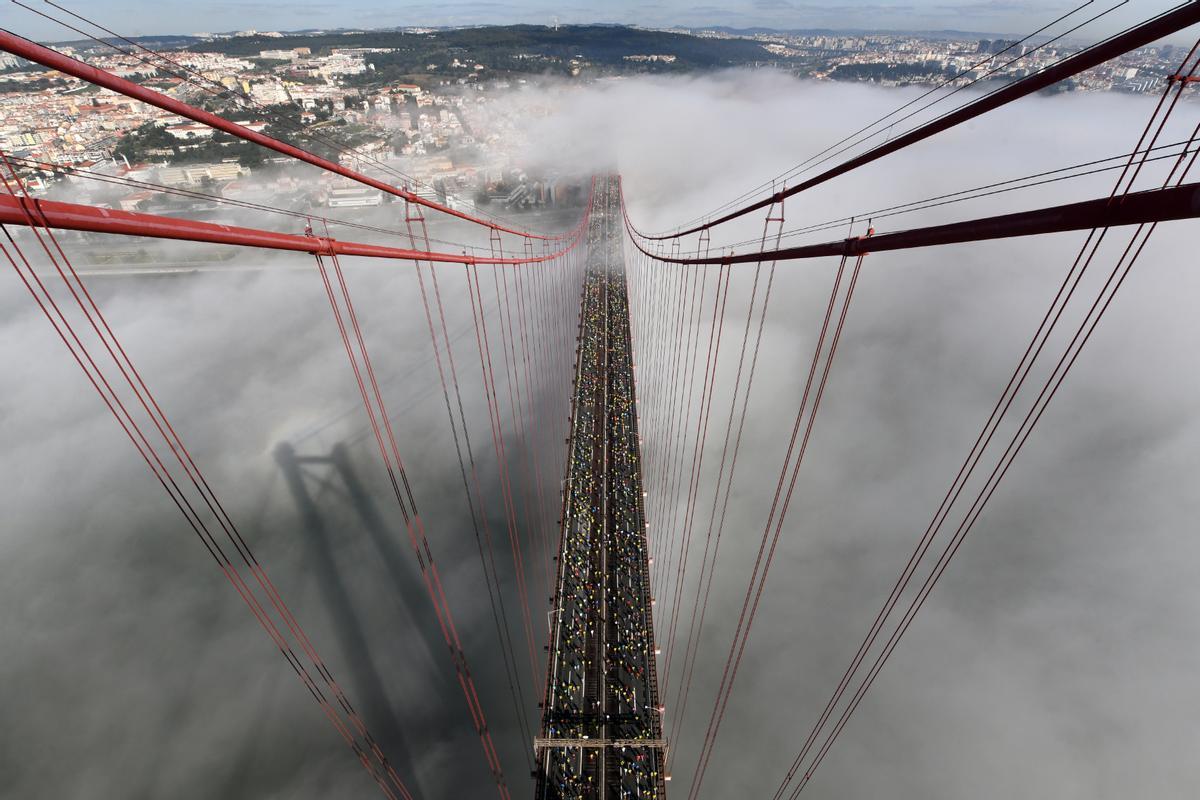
(566, 390)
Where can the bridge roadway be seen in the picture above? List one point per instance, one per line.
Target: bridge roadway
(601, 732)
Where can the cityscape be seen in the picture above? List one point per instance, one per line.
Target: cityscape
(444, 124)
(628, 401)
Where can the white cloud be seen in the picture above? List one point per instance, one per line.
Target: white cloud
(1057, 658)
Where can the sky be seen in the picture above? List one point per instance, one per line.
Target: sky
(1057, 657)
(146, 17)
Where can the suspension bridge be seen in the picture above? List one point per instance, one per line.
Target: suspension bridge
(615, 531)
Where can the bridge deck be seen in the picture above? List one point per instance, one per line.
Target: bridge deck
(601, 725)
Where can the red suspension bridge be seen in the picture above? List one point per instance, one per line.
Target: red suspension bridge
(591, 309)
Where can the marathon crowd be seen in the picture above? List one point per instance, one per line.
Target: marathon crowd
(602, 681)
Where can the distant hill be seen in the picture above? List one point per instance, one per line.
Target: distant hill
(517, 47)
(938, 34)
(164, 42)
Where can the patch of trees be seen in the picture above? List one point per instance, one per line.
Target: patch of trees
(151, 142)
(24, 66)
(30, 85)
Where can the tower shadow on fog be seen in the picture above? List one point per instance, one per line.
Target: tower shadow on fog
(338, 474)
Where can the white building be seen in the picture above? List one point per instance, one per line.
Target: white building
(353, 196)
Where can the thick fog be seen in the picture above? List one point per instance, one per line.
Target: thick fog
(1056, 658)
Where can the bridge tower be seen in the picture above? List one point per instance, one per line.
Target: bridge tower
(601, 733)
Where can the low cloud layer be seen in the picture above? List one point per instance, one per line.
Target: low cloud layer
(1056, 658)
